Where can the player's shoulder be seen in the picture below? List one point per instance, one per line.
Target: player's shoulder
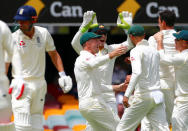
(41, 29)
(3, 26)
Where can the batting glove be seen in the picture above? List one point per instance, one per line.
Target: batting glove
(17, 87)
(65, 82)
(89, 21)
(124, 20)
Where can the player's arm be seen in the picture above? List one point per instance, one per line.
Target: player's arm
(136, 71)
(64, 81)
(56, 59)
(100, 60)
(176, 60)
(124, 21)
(89, 21)
(7, 45)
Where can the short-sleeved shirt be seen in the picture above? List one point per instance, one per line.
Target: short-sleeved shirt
(28, 59)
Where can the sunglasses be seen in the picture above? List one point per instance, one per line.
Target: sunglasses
(101, 32)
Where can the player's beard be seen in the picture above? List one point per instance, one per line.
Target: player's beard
(28, 29)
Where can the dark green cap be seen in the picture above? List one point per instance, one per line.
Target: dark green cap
(87, 36)
(136, 30)
(183, 35)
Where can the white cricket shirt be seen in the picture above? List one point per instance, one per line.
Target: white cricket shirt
(87, 75)
(28, 59)
(106, 70)
(180, 62)
(5, 45)
(166, 71)
(145, 69)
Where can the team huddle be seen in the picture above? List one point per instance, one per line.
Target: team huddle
(155, 97)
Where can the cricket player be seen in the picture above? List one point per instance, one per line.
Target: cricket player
(166, 22)
(5, 99)
(28, 88)
(180, 62)
(90, 91)
(89, 20)
(145, 82)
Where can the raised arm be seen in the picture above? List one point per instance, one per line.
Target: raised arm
(89, 21)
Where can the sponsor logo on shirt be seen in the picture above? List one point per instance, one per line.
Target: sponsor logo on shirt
(21, 44)
(132, 58)
(38, 41)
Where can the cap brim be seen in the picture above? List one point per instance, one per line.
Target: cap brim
(176, 35)
(18, 17)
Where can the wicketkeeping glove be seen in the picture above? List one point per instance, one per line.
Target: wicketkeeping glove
(124, 20)
(89, 21)
(65, 82)
(17, 88)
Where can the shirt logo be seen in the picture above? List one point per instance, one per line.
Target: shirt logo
(38, 41)
(22, 44)
(132, 58)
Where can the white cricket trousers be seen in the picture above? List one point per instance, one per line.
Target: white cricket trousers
(167, 87)
(114, 108)
(28, 110)
(5, 106)
(143, 106)
(98, 114)
(180, 115)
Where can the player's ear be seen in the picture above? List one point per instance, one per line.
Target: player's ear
(34, 19)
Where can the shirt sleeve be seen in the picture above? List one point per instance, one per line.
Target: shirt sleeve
(94, 62)
(152, 42)
(176, 59)
(49, 42)
(135, 57)
(126, 43)
(7, 42)
(76, 42)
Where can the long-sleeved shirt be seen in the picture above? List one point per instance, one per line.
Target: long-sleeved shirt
(145, 69)
(180, 62)
(5, 45)
(166, 71)
(87, 75)
(106, 70)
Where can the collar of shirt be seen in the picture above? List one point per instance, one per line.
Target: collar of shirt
(26, 37)
(185, 51)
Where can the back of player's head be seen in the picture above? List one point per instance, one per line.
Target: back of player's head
(136, 30)
(25, 12)
(168, 16)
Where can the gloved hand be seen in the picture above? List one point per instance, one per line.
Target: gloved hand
(17, 87)
(89, 21)
(65, 82)
(124, 20)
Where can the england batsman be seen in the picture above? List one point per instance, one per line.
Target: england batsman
(28, 87)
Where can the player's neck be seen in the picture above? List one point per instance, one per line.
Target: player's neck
(29, 33)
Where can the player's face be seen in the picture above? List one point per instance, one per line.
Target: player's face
(103, 40)
(94, 45)
(160, 23)
(178, 44)
(25, 25)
